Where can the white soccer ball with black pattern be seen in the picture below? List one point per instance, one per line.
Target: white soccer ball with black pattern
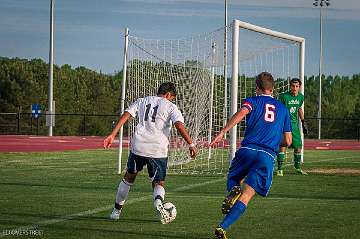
(171, 209)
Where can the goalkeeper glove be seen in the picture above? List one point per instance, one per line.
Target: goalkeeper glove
(304, 127)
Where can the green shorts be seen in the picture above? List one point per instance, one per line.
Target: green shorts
(296, 137)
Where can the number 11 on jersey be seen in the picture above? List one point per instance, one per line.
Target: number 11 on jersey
(148, 107)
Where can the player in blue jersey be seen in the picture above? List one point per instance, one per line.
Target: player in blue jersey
(268, 127)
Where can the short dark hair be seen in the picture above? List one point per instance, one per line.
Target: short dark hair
(167, 87)
(265, 81)
(294, 80)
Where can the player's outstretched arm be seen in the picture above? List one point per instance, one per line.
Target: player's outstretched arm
(235, 119)
(183, 132)
(122, 120)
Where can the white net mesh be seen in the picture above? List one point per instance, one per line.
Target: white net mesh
(196, 66)
(260, 52)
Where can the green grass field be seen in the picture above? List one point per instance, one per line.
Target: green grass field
(70, 195)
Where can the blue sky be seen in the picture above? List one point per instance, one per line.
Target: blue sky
(90, 32)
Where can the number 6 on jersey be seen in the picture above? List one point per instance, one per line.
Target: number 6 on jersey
(269, 113)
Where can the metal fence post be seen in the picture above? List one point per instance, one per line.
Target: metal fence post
(37, 126)
(31, 124)
(84, 123)
(18, 123)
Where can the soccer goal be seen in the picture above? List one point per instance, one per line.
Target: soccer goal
(256, 49)
(196, 65)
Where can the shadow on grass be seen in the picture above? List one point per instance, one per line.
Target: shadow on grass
(140, 231)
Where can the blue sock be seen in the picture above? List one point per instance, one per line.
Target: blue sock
(235, 213)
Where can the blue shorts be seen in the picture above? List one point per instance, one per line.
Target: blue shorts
(254, 164)
(156, 166)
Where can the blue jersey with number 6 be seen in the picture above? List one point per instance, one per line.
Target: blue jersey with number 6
(266, 122)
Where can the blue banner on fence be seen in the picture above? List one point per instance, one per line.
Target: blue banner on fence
(35, 110)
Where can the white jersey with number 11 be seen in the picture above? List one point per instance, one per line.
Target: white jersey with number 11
(155, 118)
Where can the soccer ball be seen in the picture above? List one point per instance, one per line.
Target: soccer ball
(171, 209)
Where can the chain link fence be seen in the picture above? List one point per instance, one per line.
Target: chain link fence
(65, 124)
(102, 124)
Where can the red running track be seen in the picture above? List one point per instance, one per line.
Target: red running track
(26, 143)
(334, 144)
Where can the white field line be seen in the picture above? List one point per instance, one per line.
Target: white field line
(325, 160)
(104, 208)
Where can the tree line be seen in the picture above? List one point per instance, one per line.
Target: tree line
(80, 90)
(84, 91)
(340, 106)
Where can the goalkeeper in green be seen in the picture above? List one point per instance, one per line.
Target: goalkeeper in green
(293, 100)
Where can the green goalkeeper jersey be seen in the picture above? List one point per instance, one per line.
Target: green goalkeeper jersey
(293, 103)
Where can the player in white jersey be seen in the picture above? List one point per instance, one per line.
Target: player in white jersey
(149, 145)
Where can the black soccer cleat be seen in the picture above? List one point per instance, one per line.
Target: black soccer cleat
(220, 233)
(231, 199)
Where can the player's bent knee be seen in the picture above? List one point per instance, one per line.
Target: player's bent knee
(130, 177)
(298, 151)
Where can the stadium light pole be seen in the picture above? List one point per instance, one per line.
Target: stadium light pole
(51, 72)
(320, 4)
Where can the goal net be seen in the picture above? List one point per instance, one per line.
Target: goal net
(196, 65)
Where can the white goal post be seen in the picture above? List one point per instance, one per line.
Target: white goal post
(196, 66)
(236, 38)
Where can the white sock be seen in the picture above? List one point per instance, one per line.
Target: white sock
(158, 195)
(122, 192)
